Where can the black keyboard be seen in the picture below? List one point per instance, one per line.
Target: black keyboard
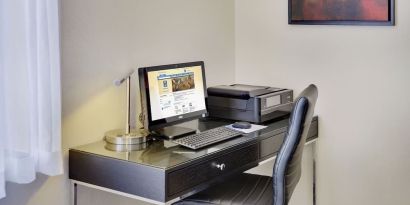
(207, 137)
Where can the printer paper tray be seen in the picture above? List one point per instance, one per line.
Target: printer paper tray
(246, 115)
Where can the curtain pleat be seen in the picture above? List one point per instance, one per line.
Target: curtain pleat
(30, 90)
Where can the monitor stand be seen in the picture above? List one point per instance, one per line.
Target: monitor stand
(173, 132)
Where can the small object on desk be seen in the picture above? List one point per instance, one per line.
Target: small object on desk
(132, 137)
(242, 125)
(253, 128)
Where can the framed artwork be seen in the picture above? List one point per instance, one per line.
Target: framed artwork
(342, 12)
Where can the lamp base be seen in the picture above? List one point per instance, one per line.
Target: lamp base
(120, 137)
(125, 147)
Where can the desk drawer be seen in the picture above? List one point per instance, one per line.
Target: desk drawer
(193, 175)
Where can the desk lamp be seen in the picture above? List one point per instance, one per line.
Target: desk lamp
(131, 137)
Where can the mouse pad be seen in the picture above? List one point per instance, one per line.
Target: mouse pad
(252, 129)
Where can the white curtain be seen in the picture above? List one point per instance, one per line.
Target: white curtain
(30, 102)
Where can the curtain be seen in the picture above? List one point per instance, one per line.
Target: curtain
(30, 96)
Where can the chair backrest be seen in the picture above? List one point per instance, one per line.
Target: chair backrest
(287, 168)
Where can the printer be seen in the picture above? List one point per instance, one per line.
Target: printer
(256, 104)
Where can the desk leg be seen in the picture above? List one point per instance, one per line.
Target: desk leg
(74, 193)
(314, 171)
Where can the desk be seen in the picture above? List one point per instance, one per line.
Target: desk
(164, 171)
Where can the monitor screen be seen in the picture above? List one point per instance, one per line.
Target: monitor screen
(174, 92)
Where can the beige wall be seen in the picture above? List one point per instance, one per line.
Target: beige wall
(363, 78)
(103, 40)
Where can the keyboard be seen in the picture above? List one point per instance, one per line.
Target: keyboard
(207, 137)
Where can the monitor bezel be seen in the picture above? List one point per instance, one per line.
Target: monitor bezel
(150, 124)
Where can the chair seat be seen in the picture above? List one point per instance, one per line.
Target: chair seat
(242, 190)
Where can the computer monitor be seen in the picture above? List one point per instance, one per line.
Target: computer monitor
(172, 94)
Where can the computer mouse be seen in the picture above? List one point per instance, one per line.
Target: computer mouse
(242, 125)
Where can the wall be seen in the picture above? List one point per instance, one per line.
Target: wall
(362, 73)
(103, 40)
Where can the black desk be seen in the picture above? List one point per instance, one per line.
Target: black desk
(164, 171)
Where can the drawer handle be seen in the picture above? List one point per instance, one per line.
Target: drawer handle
(220, 166)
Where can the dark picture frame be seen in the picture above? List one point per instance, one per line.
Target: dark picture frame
(390, 21)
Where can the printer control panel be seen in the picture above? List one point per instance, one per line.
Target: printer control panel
(274, 99)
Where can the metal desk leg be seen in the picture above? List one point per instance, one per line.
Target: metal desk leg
(314, 171)
(74, 193)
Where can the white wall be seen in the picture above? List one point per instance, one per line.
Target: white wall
(103, 40)
(363, 78)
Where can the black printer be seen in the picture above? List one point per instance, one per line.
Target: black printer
(256, 104)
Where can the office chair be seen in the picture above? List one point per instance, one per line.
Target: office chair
(255, 189)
